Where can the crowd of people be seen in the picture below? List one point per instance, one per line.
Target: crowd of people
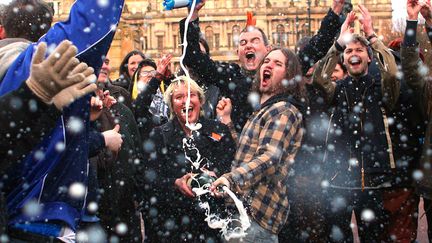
(305, 138)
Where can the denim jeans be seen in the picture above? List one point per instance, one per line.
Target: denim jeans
(257, 234)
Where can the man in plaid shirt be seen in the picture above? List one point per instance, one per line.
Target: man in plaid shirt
(267, 146)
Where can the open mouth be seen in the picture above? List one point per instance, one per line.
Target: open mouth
(266, 75)
(250, 56)
(354, 61)
(188, 110)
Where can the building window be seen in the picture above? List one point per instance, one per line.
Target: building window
(144, 43)
(229, 40)
(55, 6)
(217, 41)
(209, 36)
(175, 45)
(280, 37)
(160, 44)
(235, 35)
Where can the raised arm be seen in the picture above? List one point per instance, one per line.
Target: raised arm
(223, 110)
(141, 105)
(320, 43)
(386, 62)
(410, 60)
(322, 75)
(426, 12)
(207, 70)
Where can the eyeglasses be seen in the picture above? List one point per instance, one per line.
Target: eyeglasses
(147, 73)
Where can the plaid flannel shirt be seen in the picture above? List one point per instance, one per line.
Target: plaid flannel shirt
(267, 146)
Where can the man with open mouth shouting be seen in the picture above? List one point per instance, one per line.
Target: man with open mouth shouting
(267, 146)
(235, 81)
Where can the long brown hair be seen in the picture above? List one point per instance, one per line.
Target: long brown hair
(295, 85)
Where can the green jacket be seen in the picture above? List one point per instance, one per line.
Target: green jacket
(378, 97)
(386, 64)
(412, 69)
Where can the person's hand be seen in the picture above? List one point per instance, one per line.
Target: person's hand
(220, 182)
(69, 94)
(365, 21)
(208, 172)
(96, 106)
(197, 9)
(347, 30)
(337, 6)
(426, 12)
(113, 139)
(108, 100)
(223, 110)
(413, 9)
(49, 76)
(181, 185)
(163, 64)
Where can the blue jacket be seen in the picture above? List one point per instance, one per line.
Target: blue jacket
(47, 172)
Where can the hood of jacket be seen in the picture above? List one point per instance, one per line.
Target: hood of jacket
(10, 48)
(301, 106)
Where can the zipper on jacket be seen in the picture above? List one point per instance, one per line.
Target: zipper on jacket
(326, 143)
(361, 116)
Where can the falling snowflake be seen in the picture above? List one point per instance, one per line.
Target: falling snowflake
(103, 3)
(367, 215)
(121, 228)
(75, 125)
(77, 190)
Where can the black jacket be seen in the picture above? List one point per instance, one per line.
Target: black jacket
(358, 136)
(407, 132)
(141, 107)
(25, 120)
(119, 93)
(233, 82)
(321, 42)
(164, 163)
(123, 82)
(115, 174)
(420, 87)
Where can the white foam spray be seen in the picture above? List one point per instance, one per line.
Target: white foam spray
(213, 220)
(226, 225)
(192, 127)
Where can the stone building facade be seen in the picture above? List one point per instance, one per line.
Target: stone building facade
(146, 26)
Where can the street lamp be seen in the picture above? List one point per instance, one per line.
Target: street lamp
(297, 26)
(309, 16)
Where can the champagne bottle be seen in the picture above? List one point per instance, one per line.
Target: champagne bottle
(201, 179)
(173, 4)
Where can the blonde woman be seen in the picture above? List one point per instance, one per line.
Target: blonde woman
(169, 205)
